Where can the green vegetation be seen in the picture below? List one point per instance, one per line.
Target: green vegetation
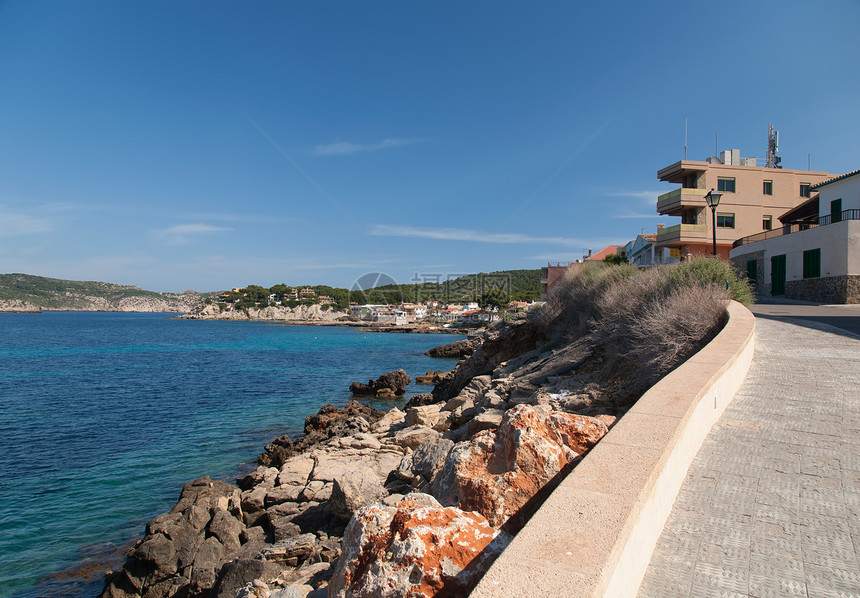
(616, 259)
(53, 293)
(520, 285)
(653, 318)
(495, 289)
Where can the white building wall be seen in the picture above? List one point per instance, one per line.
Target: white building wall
(839, 243)
(848, 190)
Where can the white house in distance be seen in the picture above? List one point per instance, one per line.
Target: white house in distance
(815, 255)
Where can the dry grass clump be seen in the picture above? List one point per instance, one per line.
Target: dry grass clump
(650, 319)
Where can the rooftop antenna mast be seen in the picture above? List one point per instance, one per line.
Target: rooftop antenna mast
(685, 138)
(772, 148)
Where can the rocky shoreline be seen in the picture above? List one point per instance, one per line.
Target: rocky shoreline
(412, 502)
(309, 315)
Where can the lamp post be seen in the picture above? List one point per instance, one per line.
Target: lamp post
(713, 200)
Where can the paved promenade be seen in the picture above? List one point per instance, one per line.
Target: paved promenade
(771, 504)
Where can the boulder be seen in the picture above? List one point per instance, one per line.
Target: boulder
(384, 423)
(330, 422)
(361, 440)
(416, 549)
(430, 456)
(427, 415)
(396, 381)
(434, 377)
(461, 348)
(330, 465)
(235, 574)
(291, 551)
(296, 470)
(176, 556)
(281, 494)
(354, 490)
(226, 529)
(421, 400)
(486, 420)
(385, 393)
(207, 562)
(497, 472)
(415, 436)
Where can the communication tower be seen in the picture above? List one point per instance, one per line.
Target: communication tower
(772, 148)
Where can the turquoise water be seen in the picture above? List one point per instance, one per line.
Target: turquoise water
(104, 416)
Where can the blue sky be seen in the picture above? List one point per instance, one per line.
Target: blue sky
(205, 145)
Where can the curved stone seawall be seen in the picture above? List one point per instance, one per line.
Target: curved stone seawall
(594, 535)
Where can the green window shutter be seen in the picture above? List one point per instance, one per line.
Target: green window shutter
(812, 263)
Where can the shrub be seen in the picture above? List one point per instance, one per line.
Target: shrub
(717, 271)
(654, 319)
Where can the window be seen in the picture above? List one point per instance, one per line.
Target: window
(836, 211)
(726, 185)
(766, 222)
(804, 189)
(812, 263)
(767, 187)
(690, 216)
(725, 220)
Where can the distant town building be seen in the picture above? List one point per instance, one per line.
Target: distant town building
(604, 253)
(550, 276)
(642, 251)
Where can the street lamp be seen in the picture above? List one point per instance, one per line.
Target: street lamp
(713, 200)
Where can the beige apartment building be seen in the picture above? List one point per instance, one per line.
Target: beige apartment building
(753, 198)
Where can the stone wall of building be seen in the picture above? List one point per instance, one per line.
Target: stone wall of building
(827, 289)
(740, 264)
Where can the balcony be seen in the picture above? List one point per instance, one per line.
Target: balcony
(682, 233)
(671, 203)
(796, 227)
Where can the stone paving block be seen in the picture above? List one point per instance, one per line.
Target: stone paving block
(722, 577)
(771, 504)
(665, 586)
(766, 586)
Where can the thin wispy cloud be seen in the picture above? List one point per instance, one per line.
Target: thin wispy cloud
(643, 204)
(636, 215)
(341, 148)
(194, 229)
(469, 235)
(13, 223)
(183, 233)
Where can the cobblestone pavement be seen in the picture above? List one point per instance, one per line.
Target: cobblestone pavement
(771, 504)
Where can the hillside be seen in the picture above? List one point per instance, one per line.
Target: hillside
(70, 295)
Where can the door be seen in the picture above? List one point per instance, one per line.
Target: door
(752, 271)
(777, 275)
(836, 211)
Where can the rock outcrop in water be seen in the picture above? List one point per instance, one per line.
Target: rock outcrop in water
(386, 386)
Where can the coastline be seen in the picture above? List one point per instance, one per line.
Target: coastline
(424, 498)
(286, 522)
(259, 379)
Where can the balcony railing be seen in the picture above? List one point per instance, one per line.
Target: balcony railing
(796, 227)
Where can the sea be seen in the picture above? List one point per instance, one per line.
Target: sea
(104, 417)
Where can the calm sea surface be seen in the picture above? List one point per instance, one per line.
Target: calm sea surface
(104, 416)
